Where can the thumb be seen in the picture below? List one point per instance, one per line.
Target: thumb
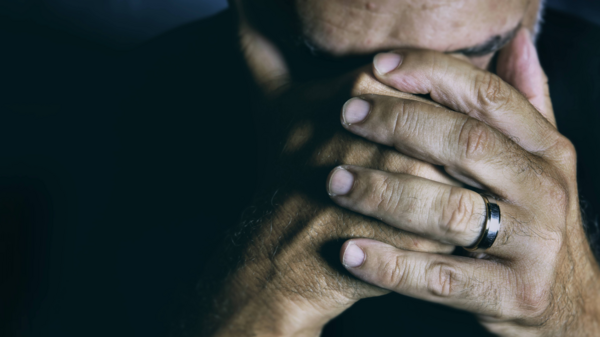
(519, 65)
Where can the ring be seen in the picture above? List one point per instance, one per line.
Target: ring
(490, 227)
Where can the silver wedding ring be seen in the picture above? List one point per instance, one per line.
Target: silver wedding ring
(490, 229)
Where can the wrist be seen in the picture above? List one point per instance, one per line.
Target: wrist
(270, 292)
(277, 315)
(587, 297)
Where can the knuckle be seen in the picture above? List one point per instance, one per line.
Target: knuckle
(459, 216)
(558, 194)
(566, 151)
(387, 192)
(533, 300)
(433, 61)
(476, 139)
(555, 190)
(394, 272)
(443, 280)
(491, 91)
(405, 118)
(560, 180)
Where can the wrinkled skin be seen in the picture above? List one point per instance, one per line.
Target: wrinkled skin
(282, 275)
(351, 27)
(540, 277)
(287, 247)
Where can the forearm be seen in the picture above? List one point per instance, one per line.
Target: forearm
(258, 287)
(582, 313)
(260, 282)
(267, 315)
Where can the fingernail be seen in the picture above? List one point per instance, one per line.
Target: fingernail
(341, 182)
(353, 256)
(355, 110)
(386, 62)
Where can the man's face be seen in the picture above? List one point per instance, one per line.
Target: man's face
(475, 28)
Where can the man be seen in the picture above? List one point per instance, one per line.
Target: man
(279, 283)
(185, 155)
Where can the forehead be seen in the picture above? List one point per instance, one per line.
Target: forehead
(343, 27)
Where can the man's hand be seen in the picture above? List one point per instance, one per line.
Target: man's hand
(279, 273)
(540, 277)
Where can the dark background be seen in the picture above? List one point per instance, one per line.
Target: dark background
(123, 24)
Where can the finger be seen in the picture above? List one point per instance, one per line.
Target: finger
(469, 150)
(475, 285)
(364, 82)
(518, 64)
(436, 211)
(464, 88)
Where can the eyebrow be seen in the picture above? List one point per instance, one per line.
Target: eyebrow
(493, 44)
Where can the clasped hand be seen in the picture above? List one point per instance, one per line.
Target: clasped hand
(406, 175)
(538, 276)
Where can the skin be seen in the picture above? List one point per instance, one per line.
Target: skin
(283, 276)
(540, 277)
(354, 27)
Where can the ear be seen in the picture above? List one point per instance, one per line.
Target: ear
(519, 65)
